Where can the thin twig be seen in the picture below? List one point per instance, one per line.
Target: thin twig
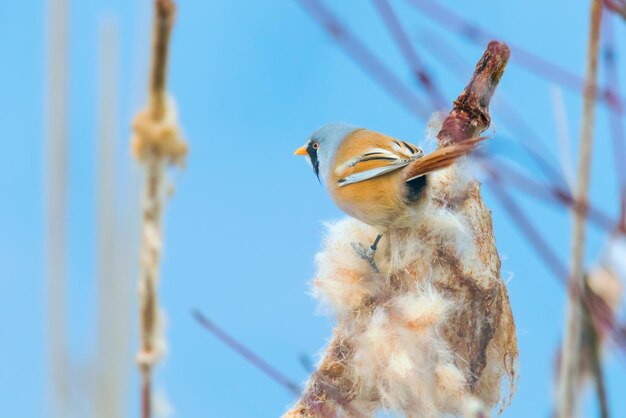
(557, 74)
(570, 357)
(410, 55)
(368, 60)
(246, 353)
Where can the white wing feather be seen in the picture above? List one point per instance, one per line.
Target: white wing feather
(373, 172)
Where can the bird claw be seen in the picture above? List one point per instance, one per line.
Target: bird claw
(365, 254)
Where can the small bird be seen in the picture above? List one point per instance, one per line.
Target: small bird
(377, 179)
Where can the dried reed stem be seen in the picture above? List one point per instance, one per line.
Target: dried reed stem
(56, 213)
(113, 296)
(570, 358)
(593, 347)
(163, 22)
(156, 143)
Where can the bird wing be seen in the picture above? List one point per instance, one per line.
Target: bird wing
(442, 158)
(395, 155)
(377, 161)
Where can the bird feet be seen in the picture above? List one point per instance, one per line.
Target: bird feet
(367, 254)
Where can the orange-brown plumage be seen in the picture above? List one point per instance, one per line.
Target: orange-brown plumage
(378, 201)
(375, 178)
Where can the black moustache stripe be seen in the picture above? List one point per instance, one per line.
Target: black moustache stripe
(314, 160)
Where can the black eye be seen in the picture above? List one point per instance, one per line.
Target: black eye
(315, 145)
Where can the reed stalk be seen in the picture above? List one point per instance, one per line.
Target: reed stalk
(570, 357)
(57, 132)
(156, 144)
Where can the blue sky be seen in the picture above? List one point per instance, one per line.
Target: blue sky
(251, 80)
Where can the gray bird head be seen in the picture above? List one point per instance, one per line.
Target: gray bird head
(322, 145)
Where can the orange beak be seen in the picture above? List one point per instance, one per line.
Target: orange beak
(301, 151)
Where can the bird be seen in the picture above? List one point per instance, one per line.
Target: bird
(375, 178)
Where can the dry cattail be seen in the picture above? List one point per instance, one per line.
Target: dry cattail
(432, 333)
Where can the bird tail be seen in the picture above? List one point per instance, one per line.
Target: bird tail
(441, 158)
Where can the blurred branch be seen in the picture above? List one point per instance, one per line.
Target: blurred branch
(113, 288)
(57, 154)
(530, 232)
(601, 313)
(570, 358)
(550, 192)
(256, 360)
(246, 353)
(559, 75)
(156, 143)
(368, 60)
(617, 6)
(410, 55)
